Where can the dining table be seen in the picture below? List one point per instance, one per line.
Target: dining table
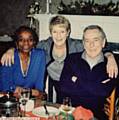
(39, 109)
(18, 108)
(56, 114)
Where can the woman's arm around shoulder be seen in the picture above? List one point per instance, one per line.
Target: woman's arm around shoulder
(8, 57)
(112, 67)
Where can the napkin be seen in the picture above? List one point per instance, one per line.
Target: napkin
(82, 113)
(28, 107)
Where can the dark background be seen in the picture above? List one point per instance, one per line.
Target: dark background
(13, 14)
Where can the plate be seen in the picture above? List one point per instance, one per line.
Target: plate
(28, 106)
(69, 109)
(40, 111)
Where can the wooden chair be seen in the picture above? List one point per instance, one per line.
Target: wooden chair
(111, 101)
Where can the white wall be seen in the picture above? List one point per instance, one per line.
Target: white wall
(79, 22)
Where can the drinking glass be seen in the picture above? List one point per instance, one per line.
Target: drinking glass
(66, 107)
(67, 101)
(26, 93)
(67, 104)
(52, 117)
(25, 96)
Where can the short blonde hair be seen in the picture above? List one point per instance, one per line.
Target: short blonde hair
(60, 20)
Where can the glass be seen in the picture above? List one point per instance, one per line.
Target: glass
(25, 96)
(66, 107)
(67, 104)
(52, 117)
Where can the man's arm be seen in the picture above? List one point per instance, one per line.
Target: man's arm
(112, 68)
(8, 57)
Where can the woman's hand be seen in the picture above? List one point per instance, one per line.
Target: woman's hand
(18, 91)
(38, 94)
(112, 68)
(8, 57)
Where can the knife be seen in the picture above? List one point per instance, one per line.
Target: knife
(46, 110)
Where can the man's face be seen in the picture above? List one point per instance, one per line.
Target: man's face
(59, 35)
(93, 42)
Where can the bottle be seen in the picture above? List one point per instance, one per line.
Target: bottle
(65, 116)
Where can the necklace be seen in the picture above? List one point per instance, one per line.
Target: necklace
(24, 62)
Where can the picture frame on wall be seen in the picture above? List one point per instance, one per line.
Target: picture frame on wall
(90, 7)
(81, 7)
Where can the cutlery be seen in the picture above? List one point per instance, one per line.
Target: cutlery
(46, 110)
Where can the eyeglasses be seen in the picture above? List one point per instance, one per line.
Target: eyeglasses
(23, 39)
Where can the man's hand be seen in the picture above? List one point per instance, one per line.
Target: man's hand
(112, 68)
(8, 57)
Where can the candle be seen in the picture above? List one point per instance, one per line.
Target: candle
(50, 1)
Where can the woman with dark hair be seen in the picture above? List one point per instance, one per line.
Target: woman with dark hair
(29, 64)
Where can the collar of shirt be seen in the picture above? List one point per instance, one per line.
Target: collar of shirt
(92, 62)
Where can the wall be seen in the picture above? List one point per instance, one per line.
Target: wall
(79, 22)
(13, 14)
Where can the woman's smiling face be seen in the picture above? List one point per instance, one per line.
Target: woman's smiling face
(25, 42)
(59, 34)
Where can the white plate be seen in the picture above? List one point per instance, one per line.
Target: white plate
(40, 111)
(28, 107)
(70, 111)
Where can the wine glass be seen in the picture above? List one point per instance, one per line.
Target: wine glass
(25, 96)
(52, 117)
(67, 101)
(66, 107)
(67, 104)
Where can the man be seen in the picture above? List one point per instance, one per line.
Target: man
(84, 78)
